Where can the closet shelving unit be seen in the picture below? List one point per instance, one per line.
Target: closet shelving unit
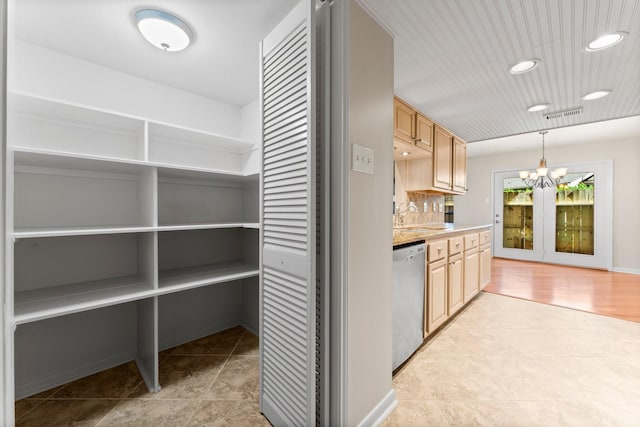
(130, 236)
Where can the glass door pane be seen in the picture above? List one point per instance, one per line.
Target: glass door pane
(517, 214)
(574, 214)
(517, 228)
(568, 223)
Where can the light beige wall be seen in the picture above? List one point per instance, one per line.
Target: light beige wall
(475, 206)
(370, 217)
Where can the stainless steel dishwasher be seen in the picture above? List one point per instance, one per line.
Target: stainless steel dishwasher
(408, 301)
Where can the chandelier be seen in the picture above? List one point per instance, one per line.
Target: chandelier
(542, 177)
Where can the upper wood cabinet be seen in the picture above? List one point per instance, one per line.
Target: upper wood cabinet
(404, 122)
(442, 159)
(436, 160)
(418, 174)
(459, 173)
(424, 132)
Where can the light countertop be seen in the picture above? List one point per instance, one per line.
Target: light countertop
(416, 233)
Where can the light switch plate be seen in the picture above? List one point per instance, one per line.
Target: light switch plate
(362, 159)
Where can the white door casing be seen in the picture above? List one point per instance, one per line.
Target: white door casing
(544, 220)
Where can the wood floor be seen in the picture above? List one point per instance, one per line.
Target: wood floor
(602, 292)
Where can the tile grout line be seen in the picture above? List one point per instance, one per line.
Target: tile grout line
(123, 398)
(109, 413)
(31, 409)
(199, 402)
(225, 362)
(46, 399)
(118, 401)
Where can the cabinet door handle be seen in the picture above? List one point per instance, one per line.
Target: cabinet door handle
(458, 245)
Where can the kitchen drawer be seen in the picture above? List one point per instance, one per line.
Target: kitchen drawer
(485, 238)
(455, 245)
(437, 250)
(471, 241)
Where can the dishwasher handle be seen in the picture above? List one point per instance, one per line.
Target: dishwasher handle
(413, 256)
(410, 253)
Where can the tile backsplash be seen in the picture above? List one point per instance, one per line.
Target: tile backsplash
(415, 208)
(419, 208)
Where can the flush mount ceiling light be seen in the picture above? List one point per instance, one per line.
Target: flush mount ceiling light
(596, 95)
(524, 66)
(405, 153)
(163, 30)
(605, 41)
(537, 107)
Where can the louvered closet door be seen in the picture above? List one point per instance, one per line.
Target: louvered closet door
(288, 300)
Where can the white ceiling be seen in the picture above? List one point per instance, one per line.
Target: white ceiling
(221, 64)
(615, 130)
(451, 56)
(452, 59)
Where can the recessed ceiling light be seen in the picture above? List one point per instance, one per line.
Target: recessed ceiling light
(606, 41)
(595, 95)
(163, 30)
(524, 66)
(538, 107)
(405, 153)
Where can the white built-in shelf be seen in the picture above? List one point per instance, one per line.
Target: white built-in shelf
(48, 153)
(76, 231)
(184, 227)
(180, 279)
(189, 148)
(185, 136)
(87, 231)
(58, 126)
(58, 192)
(111, 211)
(36, 158)
(43, 125)
(20, 151)
(39, 304)
(188, 197)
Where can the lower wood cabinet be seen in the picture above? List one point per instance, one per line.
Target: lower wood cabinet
(471, 274)
(437, 309)
(485, 266)
(456, 288)
(457, 269)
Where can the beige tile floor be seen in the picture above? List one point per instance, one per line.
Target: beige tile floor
(510, 362)
(501, 362)
(209, 382)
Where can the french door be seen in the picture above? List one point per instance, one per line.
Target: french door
(569, 223)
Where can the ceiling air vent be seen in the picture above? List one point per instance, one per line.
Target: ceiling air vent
(565, 113)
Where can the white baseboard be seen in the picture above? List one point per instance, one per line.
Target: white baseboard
(381, 411)
(56, 378)
(625, 270)
(251, 328)
(194, 334)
